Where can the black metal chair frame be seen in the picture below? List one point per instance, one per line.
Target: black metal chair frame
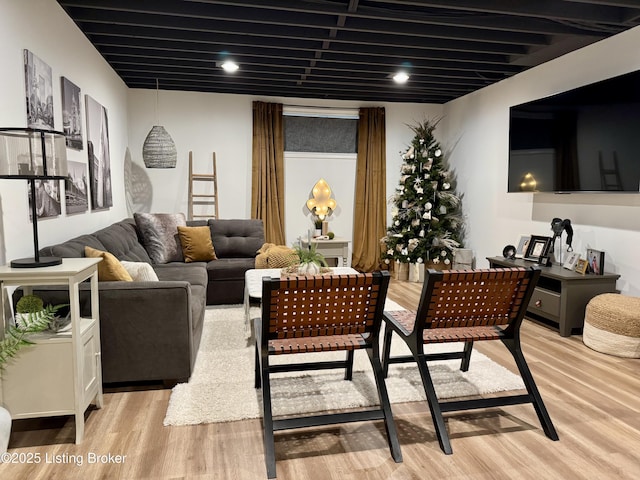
(310, 295)
(424, 332)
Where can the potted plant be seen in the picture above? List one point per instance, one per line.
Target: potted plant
(31, 317)
(310, 260)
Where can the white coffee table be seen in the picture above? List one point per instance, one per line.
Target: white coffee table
(253, 283)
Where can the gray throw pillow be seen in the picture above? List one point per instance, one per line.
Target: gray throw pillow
(159, 232)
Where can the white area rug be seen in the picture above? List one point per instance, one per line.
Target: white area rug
(221, 388)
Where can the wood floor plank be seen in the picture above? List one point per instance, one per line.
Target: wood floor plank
(593, 400)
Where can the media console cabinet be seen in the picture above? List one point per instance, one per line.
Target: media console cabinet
(561, 294)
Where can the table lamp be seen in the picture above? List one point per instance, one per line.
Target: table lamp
(33, 154)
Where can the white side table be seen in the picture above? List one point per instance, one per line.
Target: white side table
(61, 373)
(337, 248)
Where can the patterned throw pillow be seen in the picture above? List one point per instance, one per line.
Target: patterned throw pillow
(109, 269)
(140, 271)
(159, 232)
(196, 244)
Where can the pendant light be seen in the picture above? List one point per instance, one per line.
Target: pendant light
(158, 150)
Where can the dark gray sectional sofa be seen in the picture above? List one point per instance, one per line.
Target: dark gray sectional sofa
(151, 330)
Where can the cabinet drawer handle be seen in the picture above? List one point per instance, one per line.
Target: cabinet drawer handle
(538, 303)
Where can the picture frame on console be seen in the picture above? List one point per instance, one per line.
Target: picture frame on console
(538, 249)
(571, 261)
(595, 260)
(581, 266)
(522, 245)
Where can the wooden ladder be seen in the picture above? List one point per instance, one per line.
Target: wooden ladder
(210, 199)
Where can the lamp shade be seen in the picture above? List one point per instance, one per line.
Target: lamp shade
(21, 153)
(158, 150)
(33, 154)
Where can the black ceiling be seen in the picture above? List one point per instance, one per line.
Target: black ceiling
(340, 49)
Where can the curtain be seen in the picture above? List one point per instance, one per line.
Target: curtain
(267, 172)
(369, 224)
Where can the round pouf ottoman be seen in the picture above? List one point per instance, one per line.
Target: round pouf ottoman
(612, 325)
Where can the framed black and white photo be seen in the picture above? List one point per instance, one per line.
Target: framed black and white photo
(98, 154)
(47, 198)
(571, 261)
(538, 248)
(39, 92)
(595, 259)
(71, 113)
(76, 187)
(523, 243)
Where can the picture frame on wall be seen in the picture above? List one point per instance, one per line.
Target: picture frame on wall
(98, 154)
(71, 113)
(595, 259)
(47, 197)
(39, 92)
(581, 266)
(522, 245)
(538, 249)
(76, 188)
(571, 261)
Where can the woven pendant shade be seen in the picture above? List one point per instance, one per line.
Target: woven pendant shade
(158, 150)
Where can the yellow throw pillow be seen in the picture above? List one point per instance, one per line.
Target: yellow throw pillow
(196, 244)
(109, 269)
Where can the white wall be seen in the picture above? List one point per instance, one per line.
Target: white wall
(42, 27)
(208, 122)
(478, 125)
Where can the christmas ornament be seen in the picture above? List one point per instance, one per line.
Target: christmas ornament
(447, 261)
(446, 186)
(428, 206)
(438, 152)
(419, 260)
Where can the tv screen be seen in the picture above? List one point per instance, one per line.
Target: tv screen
(582, 140)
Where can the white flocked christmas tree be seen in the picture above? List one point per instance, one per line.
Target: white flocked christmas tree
(427, 222)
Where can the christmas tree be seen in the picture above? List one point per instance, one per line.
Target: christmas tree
(427, 222)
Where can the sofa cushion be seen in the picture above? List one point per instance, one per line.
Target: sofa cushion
(236, 238)
(229, 268)
(73, 248)
(196, 244)
(123, 241)
(109, 269)
(159, 235)
(140, 271)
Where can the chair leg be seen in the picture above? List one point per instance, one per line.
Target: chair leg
(434, 406)
(267, 421)
(543, 416)
(385, 404)
(468, 348)
(386, 352)
(348, 371)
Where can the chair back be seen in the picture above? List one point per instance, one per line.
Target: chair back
(472, 298)
(323, 305)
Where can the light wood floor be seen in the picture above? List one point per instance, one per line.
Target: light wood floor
(593, 399)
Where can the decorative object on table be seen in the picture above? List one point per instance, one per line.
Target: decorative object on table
(98, 154)
(509, 252)
(39, 90)
(523, 243)
(310, 260)
(538, 249)
(582, 265)
(571, 261)
(271, 255)
(331, 235)
(31, 321)
(34, 155)
(321, 205)
(71, 113)
(427, 221)
(159, 150)
(462, 259)
(558, 226)
(595, 259)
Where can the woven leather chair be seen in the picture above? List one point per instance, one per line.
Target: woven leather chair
(319, 314)
(467, 306)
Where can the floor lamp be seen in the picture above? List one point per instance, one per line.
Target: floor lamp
(33, 154)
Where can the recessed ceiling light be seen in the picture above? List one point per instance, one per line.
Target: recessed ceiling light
(230, 66)
(401, 77)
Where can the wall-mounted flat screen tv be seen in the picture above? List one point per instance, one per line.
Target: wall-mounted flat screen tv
(582, 140)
